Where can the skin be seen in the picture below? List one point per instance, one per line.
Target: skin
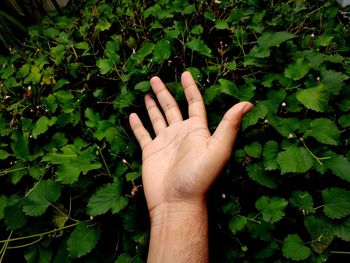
(178, 167)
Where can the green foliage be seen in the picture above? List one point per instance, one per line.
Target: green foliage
(82, 240)
(336, 202)
(106, 198)
(294, 159)
(294, 248)
(40, 197)
(271, 208)
(70, 168)
(303, 201)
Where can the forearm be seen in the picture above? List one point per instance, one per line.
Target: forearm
(179, 233)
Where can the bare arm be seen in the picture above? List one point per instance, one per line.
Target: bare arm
(178, 167)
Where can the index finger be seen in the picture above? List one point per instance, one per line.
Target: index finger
(196, 107)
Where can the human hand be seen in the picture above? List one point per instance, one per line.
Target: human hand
(180, 164)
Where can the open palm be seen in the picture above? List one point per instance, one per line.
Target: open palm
(184, 159)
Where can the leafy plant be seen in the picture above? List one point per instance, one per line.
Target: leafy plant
(70, 177)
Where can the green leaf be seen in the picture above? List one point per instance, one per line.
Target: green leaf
(333, 81)
(269, 39)
(112, 48)
(124, 258)
(41, 196)
(42, 125)
(199, 46)
(298, 69)
(336, 202)
(302, 200)
(323, 40)
(72, 162)
(325, 131)
(68, 173)
(237, 224)
(14, 216)
(314, 98)
(4, 154)
(221, 24)
(57, 54)
(23, 71)
(3, 203)
(270, 152)
(321, 231)
(340, 166)
(344, 121)
(82, 240)
(8, 72)
(189, 9)
(66, 100)
(294, 248)
(294, 160)
(19, 169)
(285, 126)
(92, 118)
(268, 250)
(106, 198)
(271, 208)
(36, 171)
(143, 86)
(258, 112)
(132, 176)
(232, 65)
(342, 229)
(103, 25)
(257, 173)
(37, 254)
(197, 30)
(60, 83)
(224, 87)
(143, 52)
(196, 73)
(162, 50)
(59, 219)
(260, 231)
(82, 45)
(254, 149)
(34, 75)
(20, 145)
(266, 41)
(105, 65)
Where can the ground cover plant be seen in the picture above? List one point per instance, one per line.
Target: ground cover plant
(70, 185)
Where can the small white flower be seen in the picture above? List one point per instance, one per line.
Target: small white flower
(284, 104)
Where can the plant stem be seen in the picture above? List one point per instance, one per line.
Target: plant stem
(39, 234)
(340, 252)
(27, 244)
(4, 247)
(104, 161)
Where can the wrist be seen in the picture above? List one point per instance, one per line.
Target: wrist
(179, 233)
(177, 212)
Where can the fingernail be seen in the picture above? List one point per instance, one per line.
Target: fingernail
(247, 108)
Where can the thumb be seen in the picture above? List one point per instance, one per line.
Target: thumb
(230, 124)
